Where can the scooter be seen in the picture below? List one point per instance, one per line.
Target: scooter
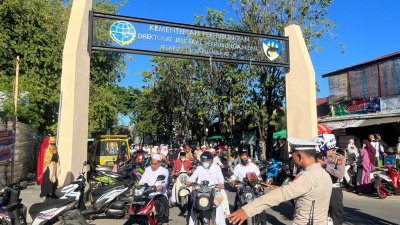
(110, 200)
(12, 211)
(386, 181)
(142, 209)
(248, 190)
(65, 209)
(204, 207)
(182, 192)
(349, 179)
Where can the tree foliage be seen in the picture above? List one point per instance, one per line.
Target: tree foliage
(35, 30)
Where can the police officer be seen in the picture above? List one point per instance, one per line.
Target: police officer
(334, 163)
(311, 190)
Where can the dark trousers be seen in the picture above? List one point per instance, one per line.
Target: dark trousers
(336, 206)
(162, 209)
(263, 214)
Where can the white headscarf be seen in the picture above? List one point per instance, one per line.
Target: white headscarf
(351, 148)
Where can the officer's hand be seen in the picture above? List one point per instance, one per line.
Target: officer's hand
(269, 186)
(321, 162)
(384, 154)
(237, 217)
(188, 183)
(160, 187)
(222, 166)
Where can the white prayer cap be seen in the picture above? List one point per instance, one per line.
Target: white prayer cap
(157, 157)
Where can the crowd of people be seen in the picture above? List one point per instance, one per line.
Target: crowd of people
(315, 187)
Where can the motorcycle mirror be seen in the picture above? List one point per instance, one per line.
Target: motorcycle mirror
(84, 163)
(160, 177)
(23, 184)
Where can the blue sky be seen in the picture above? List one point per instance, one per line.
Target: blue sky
(368, 28)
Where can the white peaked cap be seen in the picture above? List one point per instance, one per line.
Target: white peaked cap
(300, 144)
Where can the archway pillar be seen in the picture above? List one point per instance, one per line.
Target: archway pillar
(74, 95)
(301, 108)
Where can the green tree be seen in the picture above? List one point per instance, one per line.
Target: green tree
(271, 17)
(35, 31)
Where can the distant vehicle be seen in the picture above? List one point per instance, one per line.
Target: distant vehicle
(105, 149)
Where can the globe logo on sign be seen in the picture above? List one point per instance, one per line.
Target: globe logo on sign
(122, 32)
(272, 49)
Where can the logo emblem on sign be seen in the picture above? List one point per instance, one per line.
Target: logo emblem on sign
(122, 32)
(272, 49)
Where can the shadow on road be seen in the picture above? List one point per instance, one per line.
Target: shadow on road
(355, 216)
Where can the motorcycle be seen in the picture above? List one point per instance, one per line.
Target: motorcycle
(65, 209)
(110, 200)
(386, 181)
(204, 207)
(142, 209)
(275, 172)
(248, 190)
(12, 211)
(104, 178)
(182, 192)
(349, 179)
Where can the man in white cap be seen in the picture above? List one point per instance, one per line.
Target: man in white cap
(160, 197)
(311, 190)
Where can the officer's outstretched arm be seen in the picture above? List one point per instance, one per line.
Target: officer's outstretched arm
(300, 186)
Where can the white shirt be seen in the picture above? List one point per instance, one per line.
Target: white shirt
(377, 147)
(240, 171)
(164, 150)
(217, 161)
(150, 177)
(213, 175)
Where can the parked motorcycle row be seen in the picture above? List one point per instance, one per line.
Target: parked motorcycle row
(109, 194)
(118, 195)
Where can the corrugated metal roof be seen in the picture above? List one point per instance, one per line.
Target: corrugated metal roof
(336, 72)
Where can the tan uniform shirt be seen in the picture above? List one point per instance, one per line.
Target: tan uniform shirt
(335, 166)
(312, 184)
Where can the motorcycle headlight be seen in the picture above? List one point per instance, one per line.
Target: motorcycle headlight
(203, 202)
(183, 179)
(139, 191)
(248, 197)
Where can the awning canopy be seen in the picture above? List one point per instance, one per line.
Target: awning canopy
(343, 124)
(281, 133)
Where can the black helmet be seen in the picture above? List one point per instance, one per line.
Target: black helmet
(206, 156)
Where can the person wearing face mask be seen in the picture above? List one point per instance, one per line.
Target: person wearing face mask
(212, 173)
(240, 172)
(182, 165)
(49, 163)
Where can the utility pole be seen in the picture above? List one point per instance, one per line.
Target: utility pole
(15, 111)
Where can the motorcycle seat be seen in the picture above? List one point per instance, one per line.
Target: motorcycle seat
(101, 190)
(43, 206)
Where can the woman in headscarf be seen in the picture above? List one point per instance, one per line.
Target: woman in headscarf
(352, 152)
(51, 169)
(365, 166)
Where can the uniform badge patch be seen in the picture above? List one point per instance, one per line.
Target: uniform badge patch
(340, 161)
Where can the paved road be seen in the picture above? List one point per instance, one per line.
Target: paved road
(358, 210)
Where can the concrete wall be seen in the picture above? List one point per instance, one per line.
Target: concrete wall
(27, 144)
(73, 122)
(301, 108)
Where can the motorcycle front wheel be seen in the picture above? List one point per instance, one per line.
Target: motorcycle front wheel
(379, 190)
